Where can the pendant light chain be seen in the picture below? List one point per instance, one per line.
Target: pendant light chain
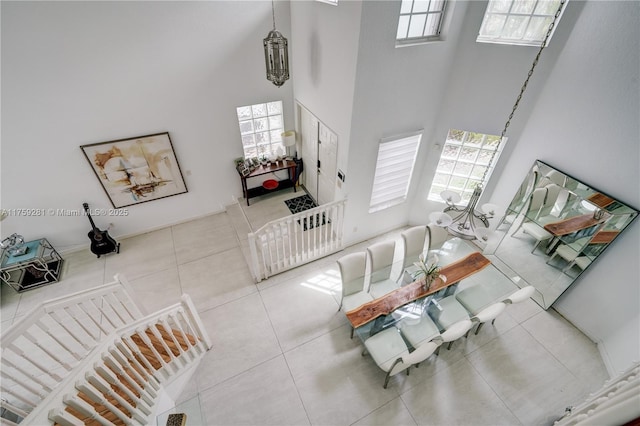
(273, 15)
(524, 86)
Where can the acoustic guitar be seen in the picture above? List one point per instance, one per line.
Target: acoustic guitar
(101, 241)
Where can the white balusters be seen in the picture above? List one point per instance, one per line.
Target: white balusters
(292, 241)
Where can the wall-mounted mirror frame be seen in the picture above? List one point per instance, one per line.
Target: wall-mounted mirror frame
(555, 228)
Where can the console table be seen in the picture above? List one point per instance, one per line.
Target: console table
(39, 265)
(290, 182)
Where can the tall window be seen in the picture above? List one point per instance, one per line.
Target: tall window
(261, 126)
(464, 159)
(420, 20)
(523, 22)
(394, 167)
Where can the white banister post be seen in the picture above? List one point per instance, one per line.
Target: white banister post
(197, 322)
(255, 266)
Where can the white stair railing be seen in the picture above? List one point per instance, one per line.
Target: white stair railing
(99, 343)
(42, 349)
(283, 244)
(616, 403)
(128, 371)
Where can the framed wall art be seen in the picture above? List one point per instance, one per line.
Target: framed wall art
(136, 170)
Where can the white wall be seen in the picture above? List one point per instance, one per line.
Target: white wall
(586, 122)
(325, 48)
(75, 73)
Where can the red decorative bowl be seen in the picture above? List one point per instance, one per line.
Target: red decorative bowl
(270, 184)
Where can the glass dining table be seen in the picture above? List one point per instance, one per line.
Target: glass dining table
(470, 278)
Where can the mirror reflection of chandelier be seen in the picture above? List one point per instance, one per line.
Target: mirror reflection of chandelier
(464, 224)
(276, 54)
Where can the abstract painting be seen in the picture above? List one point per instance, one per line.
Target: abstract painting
(136, 170)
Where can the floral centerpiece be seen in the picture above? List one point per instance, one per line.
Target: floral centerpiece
(430, 270)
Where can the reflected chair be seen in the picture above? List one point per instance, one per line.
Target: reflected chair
(520, 295)
(570, 252)
(414, 241)
(390, 352)
(533, 206)
(352, 271)
(381, 261)
(452, 317)
(537, 232)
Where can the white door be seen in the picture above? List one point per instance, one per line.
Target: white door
(327, 164)
(309, 141)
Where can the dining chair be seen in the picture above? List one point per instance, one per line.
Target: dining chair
(537, 232)
(390, 352)
(452, 317)
(419, 332)
(570, 252)
(352, 272)
(414, 241)
(490, 313)
(533, 206)
(520, 295)
(381, 260)
(478, 300)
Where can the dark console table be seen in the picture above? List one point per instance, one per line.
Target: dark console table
(290, 182)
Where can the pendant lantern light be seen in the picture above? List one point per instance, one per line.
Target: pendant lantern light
(276, 54)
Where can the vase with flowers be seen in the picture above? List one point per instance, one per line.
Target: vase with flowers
(428, 271)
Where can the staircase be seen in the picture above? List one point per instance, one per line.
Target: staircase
(286, 243)
(616, 403)
(95, 358)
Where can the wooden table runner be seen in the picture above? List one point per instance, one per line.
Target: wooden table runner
(388, 303)
(572, 224)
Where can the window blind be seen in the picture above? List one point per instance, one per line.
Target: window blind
(394, 167)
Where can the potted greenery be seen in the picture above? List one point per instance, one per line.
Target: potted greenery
(429, 270)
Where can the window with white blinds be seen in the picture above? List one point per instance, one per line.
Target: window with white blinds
(394, 167)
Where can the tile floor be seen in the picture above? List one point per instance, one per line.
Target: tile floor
(282, 354)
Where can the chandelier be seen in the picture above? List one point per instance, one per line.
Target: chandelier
(276, 54)
(464, 224)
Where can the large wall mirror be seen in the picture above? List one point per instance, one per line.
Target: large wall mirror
(553, 230)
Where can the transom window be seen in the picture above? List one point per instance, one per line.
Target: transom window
(420, 20)
(523, 22)
(394, 167)
(261, 126)
(464, 159)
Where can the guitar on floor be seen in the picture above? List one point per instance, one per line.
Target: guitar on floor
(101, 241)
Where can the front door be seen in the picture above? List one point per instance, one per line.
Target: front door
(309, 132)
(327, 164)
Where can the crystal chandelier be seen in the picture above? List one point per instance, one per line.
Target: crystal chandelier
(463, 225)
(276, 54)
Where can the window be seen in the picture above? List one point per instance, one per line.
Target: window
(523, 22)
(396, 158)
(261, 126)
(464, 159)
(420, 20)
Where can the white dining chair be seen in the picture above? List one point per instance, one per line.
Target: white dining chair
(450, 316)
(479, 301)
(381, 260)
(352, 273)
(390, 352)
(490, 313)
(570, 252)
(415, 241)
(520, 295)
(533, 206)
(419, 332)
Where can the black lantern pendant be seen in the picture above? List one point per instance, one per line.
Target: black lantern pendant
(276, 55)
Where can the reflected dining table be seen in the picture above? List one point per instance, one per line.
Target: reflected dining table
(463, 266)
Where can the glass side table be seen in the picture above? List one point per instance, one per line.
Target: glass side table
(39, 265)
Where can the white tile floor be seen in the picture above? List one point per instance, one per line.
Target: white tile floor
(282, 354)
